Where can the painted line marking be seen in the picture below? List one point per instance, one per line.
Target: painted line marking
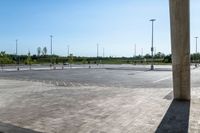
(79, 84)
(57, 83)
(162, 79)
(72, 84)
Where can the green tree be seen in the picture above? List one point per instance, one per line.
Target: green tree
(147, 56)
(44, 51)
(29, 60)
(38, 51)
(70, 59)
(159, 55)
(167, 59)
(4, 59)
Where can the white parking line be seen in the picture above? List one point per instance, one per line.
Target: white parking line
(79, 84)
(72, 84)
(57, 83)
(162, 79)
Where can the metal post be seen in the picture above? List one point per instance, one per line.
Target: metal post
(97, 50)
(17, 58)
(51, 44)
(68, 55)
(196, 52)
(68, 50)
(152, 49)
(51, 51)
(97, 53)
(103, 53)
(135, 50)
(142, 52)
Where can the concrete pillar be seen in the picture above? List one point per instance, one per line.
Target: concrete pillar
(180, 42)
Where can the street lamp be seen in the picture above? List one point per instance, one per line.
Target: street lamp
(51, 43)
(51, 50)
(68, 50)
(152, 49)
(196, 50)
(135, 51)
(17, 58)
(103, 52)
(97, 53)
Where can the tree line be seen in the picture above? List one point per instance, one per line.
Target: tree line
(42, 57)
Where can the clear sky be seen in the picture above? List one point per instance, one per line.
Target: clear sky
(116, 25)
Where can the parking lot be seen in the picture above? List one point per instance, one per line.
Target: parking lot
(110, 98)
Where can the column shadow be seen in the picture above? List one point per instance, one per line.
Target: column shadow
(9, 128)
(176, 119)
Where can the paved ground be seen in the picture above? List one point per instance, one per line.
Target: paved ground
(97, 101)
(112, 76)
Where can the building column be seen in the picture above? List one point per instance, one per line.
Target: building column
(180, 43)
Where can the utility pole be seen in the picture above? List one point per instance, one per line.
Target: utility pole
(152, 49)
(196, 50)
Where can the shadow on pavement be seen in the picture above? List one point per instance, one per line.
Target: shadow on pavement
(8, 128)
(176, 119)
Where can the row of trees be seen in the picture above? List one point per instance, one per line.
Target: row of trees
(54, 59)
(5, 58)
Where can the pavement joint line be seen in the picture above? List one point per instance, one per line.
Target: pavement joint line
(162, 79)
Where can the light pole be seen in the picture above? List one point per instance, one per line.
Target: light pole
(196, 50)
(135, 51)
(68, 50)
(142, 52)
(97, 53)
(103, 52)
(97, 50)
(51, 37)
(152, 49)
(17, 59)
(51, 44)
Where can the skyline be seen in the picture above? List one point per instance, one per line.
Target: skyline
(115, 25)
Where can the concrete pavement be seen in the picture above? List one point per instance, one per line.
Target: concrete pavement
(48, 108)
(140, 102)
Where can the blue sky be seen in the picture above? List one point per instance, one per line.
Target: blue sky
(116, 25)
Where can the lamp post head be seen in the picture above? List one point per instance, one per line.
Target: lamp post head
(152, 20)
